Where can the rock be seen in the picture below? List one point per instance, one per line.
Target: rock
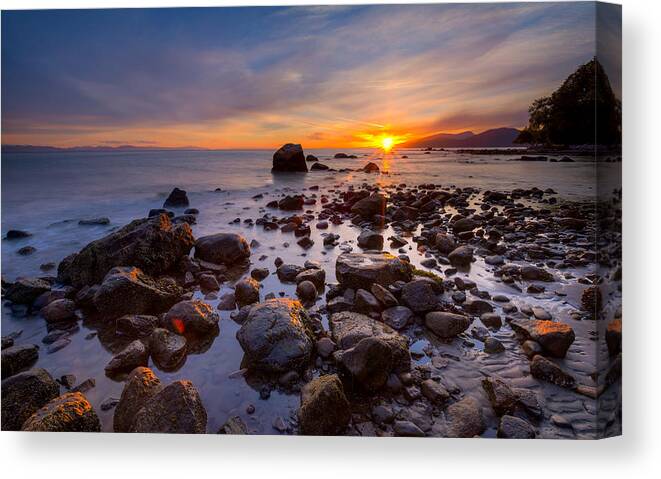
(555, 338)
(493, 346)
(374, 204)
(276, 336)
(368, 239)
(446, 325)
(397, 317)
(369, 363)
(311, 158)
(26, 250)
(191, 317)
(502, 398)
(305, 242)
(614, 337)
(366, 303)
(246, 291)
(420, 295)
(153, 245)
(291, 203)
(464, 224)
(591, 301)
(465, 418)
(23, 394)
(315, 275)
(259, 274)
(17, 234)
(306, 290)
(512, 427)
(176, 199)
(494, 260)
(325, 347)
(319, 167)
(167, 349)
(349, 328)
(541, 313)
(288, 272)
(461, 256)
(434, 391)
(18, 358)
(140, 386)
(26, 290)
(407, 429)
(445, 244)
(382, 414)
(491, 320)
(234, 425)
(289, 158)
(127, 290)
(208, 282)
(361, 270)
(324, 410)
(95, 221)
(227, 302)
(478, 307)
(175, 409)
(136, 325)
(70, 412)
(371, 168)
(542, 368)
(531, 348)
(222, 248)
(533, 273)
(384, 296)
(59, 310)
(134, 355)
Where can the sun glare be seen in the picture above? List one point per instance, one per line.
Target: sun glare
(387, 143)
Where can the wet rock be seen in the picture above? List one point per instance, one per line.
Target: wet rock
(461, 256)
(71, 412)
(397, 317)
(95, 221)
(175, 409)
(153, 245)
(555, 338)
(306, 290)
(18, 358)
(361, 270)
(465, 419)
(127, 290)
(385, 297)
(541, 313)
(140, 386)
(464, 224)
(246, 291)
(58, 344)
(324, 410)
(227, 302)
(491, 320)
(259, 274)
(208, 282)
(176, 199)
(478, 307)
(234, 425)
(26, 290)
(533, 273)
(369, 363)
(222, 248)
(305, 242)
(368, 239)
(325, 347)
(167, 349)
(26, 250)
(192, 317)
(371, 168)
(544, 369)
(446, 325)
(531, 348)
(291, 203)
(288, 272)
(493, 346)
(311, 158)
(23, 394)
(434, 391)
(289, 158)
(407, 429)
(136, 325)
(591, 301)
(614, 337)
(315, 275)
(59, 310)
(420, 295)
(134, 355)
(445, 243)
(494, 260)
(276, 336)
(502, 398)
(512, 427)
(17, 234)
(374, 204)
(366, 303)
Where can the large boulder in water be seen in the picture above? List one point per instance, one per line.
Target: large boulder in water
(193, 317)
(325, 410)
(289, 158)
(128, 290)
(361, 270)
(141, 385)
(23, 394)
(176, 199)
(18, 358)
(152, 244)
(222, 248)
(374, 204)
(71, 412)
(26, 290)
(555, 338)
(276, 336)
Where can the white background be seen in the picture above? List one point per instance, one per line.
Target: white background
(637, 453)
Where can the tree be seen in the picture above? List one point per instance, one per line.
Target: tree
(584, 110)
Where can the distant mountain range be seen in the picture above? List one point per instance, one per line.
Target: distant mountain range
(45, 149)
(497, 137)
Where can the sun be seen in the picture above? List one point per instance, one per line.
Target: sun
(387, 143)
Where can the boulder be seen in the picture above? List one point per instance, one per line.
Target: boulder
(493, 346)
(445, 243)
(434, 391)
(397, 317)
(140, 386)
(464, 224)
(23, 394)
(512, 427)
(288, 272)
(17, 234)
(175, 409)
(291, 203)
(546, 370)
(555, 338)
(176, 199)
(153, 245)
(361, 270)
(276, 336)
(289, 158)
(167, 349)
(374, 204)
(246, 291)
(368, 239)
(191, 317)
(465, 418)
(136, 325)
(385, 297)
(366, 303)
(369, 363)
(71, 412)
(534, 273)
(18, 358)
(461, 256)
(420, 295)
(349, 328)
(319, 167)
(222, 248)
(501, 396)
(315, 275)
(134, 355)
(446, 325)
(371, 168)
(127, 290)
(59, 310)
(26, 290)
(324, 410)
(306, 290)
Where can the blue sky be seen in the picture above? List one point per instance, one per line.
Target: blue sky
(242, 77)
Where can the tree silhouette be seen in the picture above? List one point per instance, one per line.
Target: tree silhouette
(584, 110)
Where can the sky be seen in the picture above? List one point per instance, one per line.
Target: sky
(259, 77)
